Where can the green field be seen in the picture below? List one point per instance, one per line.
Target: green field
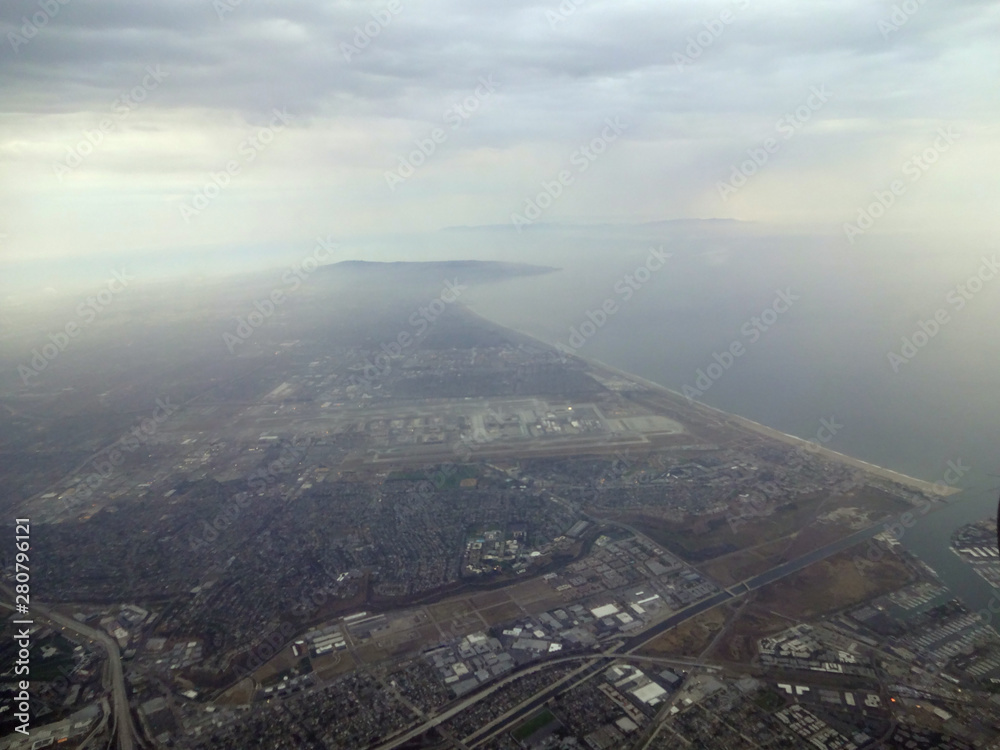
(446, 476)
(532, 725)
(769, 700)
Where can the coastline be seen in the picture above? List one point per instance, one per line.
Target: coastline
(938, 490)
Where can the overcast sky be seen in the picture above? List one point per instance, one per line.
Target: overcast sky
(116, 116)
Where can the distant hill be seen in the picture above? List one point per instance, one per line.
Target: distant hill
(471, 271)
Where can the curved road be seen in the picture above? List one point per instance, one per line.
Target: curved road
(124, 728)
(628, 647)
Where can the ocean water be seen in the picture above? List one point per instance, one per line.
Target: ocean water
(931, 411)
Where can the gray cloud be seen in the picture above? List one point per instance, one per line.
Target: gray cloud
(556, 84)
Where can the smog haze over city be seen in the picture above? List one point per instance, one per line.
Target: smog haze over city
(493, 376)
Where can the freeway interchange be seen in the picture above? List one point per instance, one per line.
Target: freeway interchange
(620, 650)
(125, 732)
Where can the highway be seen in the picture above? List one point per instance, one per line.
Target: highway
(124, 728)
(127, 735)
(636, 642)
(463, 703)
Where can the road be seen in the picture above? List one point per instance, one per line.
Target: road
(528, 706)
(752, 584)
(793, 566)
(464, 703)
(636, 642)
(124, 728)
(127, 734)
(676, 619)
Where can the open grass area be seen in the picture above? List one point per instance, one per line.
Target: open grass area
(500, 613)
(705, 539)
(450, 608)
(689, 638)
(533, 724)
(834, 584)
(768, 700)
(698, 540)
(446, 476)
(823, 588)
(747, 563)
(333, 664)
(489, 599)
(238, 695)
